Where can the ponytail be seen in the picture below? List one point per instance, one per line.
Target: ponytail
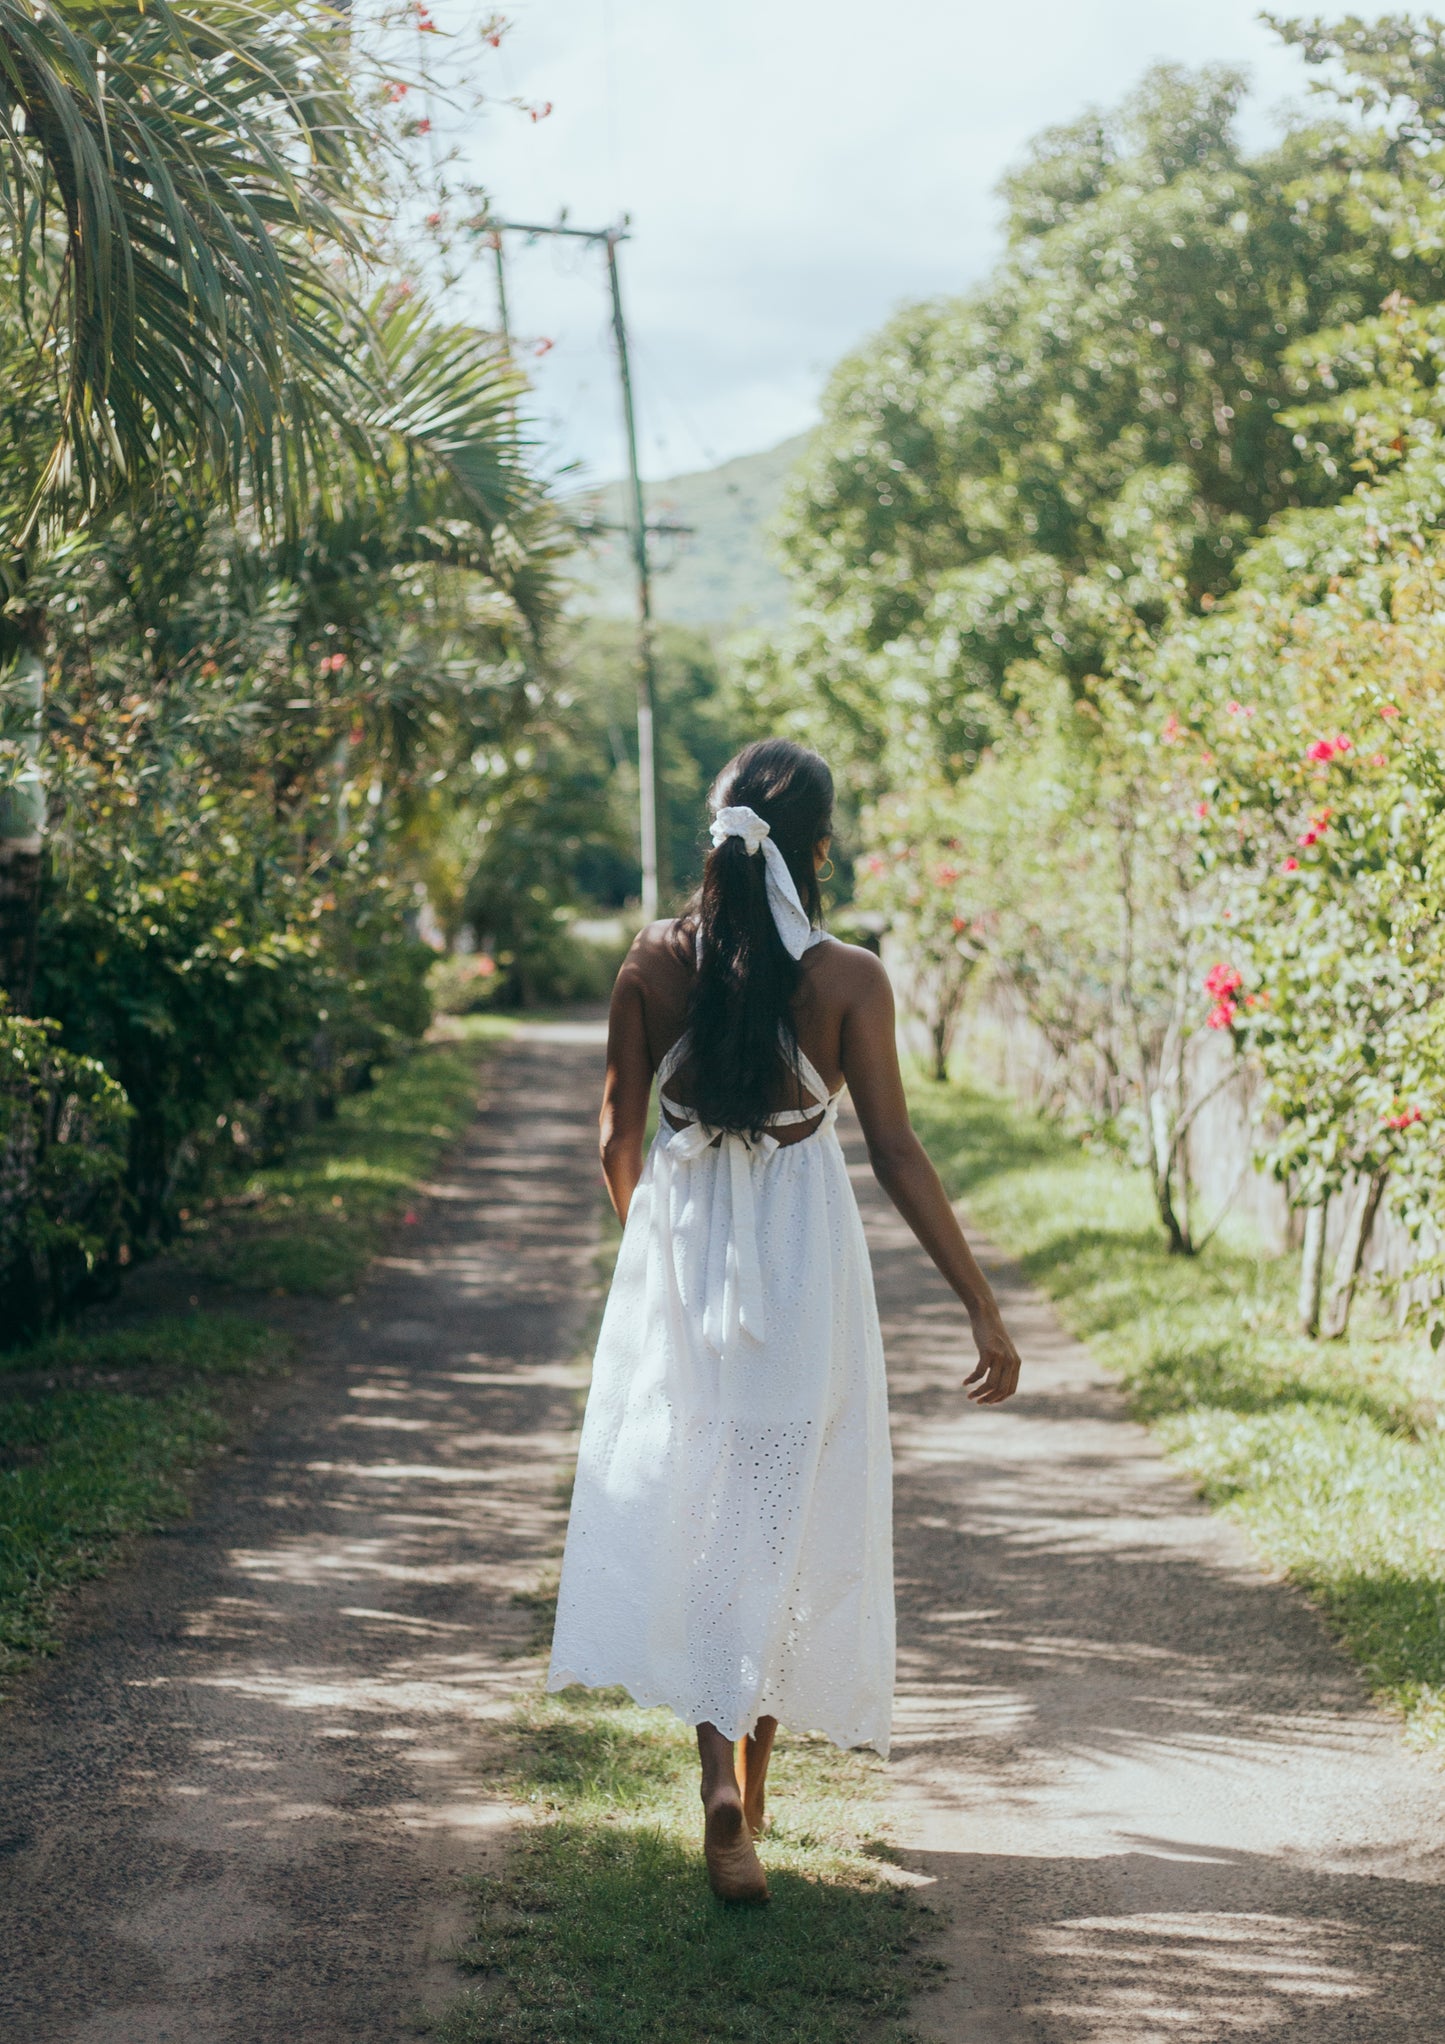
(740, 1015)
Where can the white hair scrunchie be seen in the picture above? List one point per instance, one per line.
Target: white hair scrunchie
(790, 918)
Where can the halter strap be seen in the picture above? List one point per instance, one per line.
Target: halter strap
(785, 1117)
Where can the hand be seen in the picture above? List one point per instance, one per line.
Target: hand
(997, 1372)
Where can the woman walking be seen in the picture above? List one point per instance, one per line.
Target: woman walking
(730, 1546)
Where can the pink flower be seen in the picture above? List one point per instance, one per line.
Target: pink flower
(1173, 730)
(544, 347)
(1388, 710)
(1406, 1119)
(946, 875)
(1220, 1016)
(1223, 980)
(333, 663)
(875, 863)
(1208, 758)
(1342, 744)
(1378, 759)
(1291, 864)
(1322, 750)
(1201, 809)
(540, 113)
(1318, 825)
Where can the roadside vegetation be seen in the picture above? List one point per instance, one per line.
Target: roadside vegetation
(1330, 1455)
(601, 1929)
(104, 1428)
(1118, 595)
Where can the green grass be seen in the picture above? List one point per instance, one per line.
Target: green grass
(104, 1428)
(1330, 1454)
(312, 1223)
(99, 1436)
(602, 1930)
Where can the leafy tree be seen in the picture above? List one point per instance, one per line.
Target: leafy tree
(1068, 462)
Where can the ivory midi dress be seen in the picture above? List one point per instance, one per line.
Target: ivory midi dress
(729, 1552)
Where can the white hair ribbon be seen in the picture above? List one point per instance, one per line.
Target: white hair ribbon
(789, 916)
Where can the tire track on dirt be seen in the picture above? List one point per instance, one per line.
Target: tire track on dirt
(236, 1807)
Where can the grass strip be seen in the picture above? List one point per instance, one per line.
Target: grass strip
(313, 1222)
(103, 1428)
(601, 1929)
(99, 1436)
(1330, 1454)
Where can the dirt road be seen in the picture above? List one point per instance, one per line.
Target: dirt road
(1146, 1792)
(233, 1812)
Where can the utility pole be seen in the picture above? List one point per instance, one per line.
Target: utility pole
(610, 237)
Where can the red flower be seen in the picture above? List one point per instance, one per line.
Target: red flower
(433, 219)
(1221, 981)
(1291, 864)
(396, 90)
(1318, 825)
(540, 113)
(960, 924)
(423, 127)
(1406, 1119)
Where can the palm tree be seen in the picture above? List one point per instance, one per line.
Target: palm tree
(178, 194)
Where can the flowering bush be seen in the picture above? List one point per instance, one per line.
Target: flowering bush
(919, 877)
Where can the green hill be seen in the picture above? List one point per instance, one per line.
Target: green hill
(723, 573)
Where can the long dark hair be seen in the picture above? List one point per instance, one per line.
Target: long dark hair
(741, 1010)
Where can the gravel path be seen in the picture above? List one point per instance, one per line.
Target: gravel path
(233, 1812)
(1148, 1792)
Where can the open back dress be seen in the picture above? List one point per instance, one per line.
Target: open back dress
(729, 1552)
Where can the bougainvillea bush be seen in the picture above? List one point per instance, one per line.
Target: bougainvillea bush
(1316, 737)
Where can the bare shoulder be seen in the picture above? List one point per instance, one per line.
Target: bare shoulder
(849, 972)
(660, 956)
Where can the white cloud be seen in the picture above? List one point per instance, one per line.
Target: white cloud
(794, 169)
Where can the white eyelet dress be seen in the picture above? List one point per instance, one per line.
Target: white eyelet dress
(730, 1547)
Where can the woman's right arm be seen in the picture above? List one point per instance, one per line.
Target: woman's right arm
(627, 1088)
(904, 1170)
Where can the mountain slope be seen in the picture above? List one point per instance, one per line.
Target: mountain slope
(723, 573)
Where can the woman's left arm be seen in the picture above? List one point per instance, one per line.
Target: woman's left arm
(628, 1087)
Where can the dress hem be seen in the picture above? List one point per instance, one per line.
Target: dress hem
(646, 1699)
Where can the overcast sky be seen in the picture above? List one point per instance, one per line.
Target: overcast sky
(794, 170)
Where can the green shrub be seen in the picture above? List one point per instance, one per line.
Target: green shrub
(63, 1129)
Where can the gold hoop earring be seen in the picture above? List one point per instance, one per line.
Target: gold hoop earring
(829, 874)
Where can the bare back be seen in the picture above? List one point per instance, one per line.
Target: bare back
(833, 977)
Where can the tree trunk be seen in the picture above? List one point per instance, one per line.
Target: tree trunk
(22, 835)
(1336, 1317)
(1312, 1268)
(1162, 1174)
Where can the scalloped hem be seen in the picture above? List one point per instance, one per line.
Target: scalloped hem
(645, 1699)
